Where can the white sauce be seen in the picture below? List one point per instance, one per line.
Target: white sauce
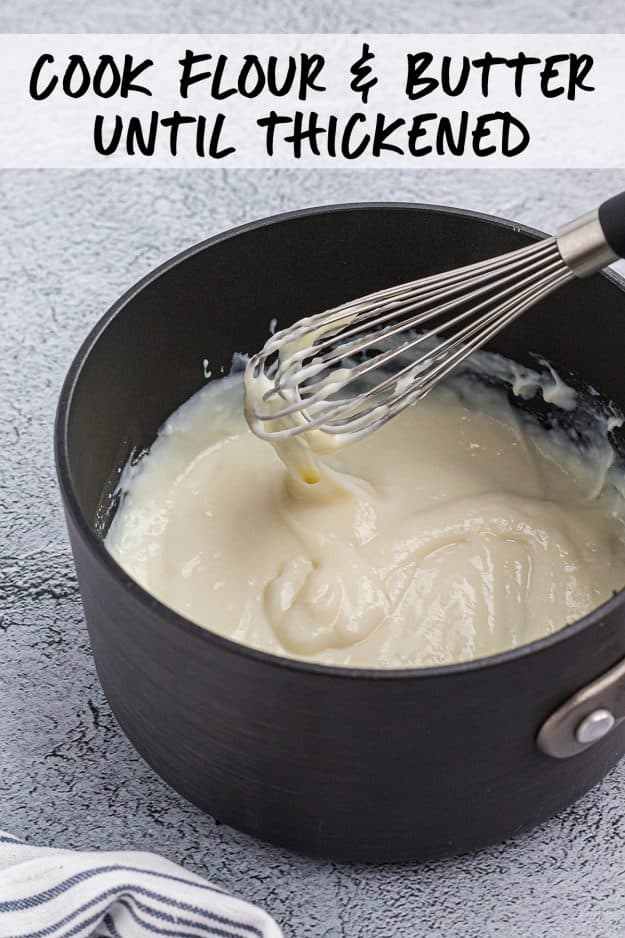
(458, 530)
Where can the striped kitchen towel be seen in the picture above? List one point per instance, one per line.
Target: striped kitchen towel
(69, 894)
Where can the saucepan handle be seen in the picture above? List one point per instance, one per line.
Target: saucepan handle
(586, 717)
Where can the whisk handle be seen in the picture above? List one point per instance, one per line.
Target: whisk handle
(612, 221)
(591, 242)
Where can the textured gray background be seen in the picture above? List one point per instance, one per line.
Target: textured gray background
(70, 243)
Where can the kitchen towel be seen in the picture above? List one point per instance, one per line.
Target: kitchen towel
(48, 893)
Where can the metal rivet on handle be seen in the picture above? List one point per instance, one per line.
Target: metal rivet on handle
(594, 726)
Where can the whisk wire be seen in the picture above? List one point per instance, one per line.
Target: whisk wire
(447, 285)
(289, 374)
(349, 370)
(372, 419)
(412, 394)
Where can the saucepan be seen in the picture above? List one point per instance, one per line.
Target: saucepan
(368, 765)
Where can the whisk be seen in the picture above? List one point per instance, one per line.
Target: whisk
(349, 370)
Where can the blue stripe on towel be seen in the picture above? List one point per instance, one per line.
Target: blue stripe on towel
(110, 924)
(176, 919)
(129, 889)
(219, 933)
(18, 905)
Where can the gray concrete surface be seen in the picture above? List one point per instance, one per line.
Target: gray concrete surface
(70, 243)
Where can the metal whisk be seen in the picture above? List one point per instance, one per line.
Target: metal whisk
(350, 369)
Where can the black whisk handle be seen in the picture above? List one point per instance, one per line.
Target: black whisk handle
(612, 221)
(594, 240)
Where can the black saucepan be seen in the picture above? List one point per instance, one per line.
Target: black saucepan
(351, 764)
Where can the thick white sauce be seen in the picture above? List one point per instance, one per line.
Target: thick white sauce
(458, 530)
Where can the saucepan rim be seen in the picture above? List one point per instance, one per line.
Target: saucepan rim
(180, 622)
